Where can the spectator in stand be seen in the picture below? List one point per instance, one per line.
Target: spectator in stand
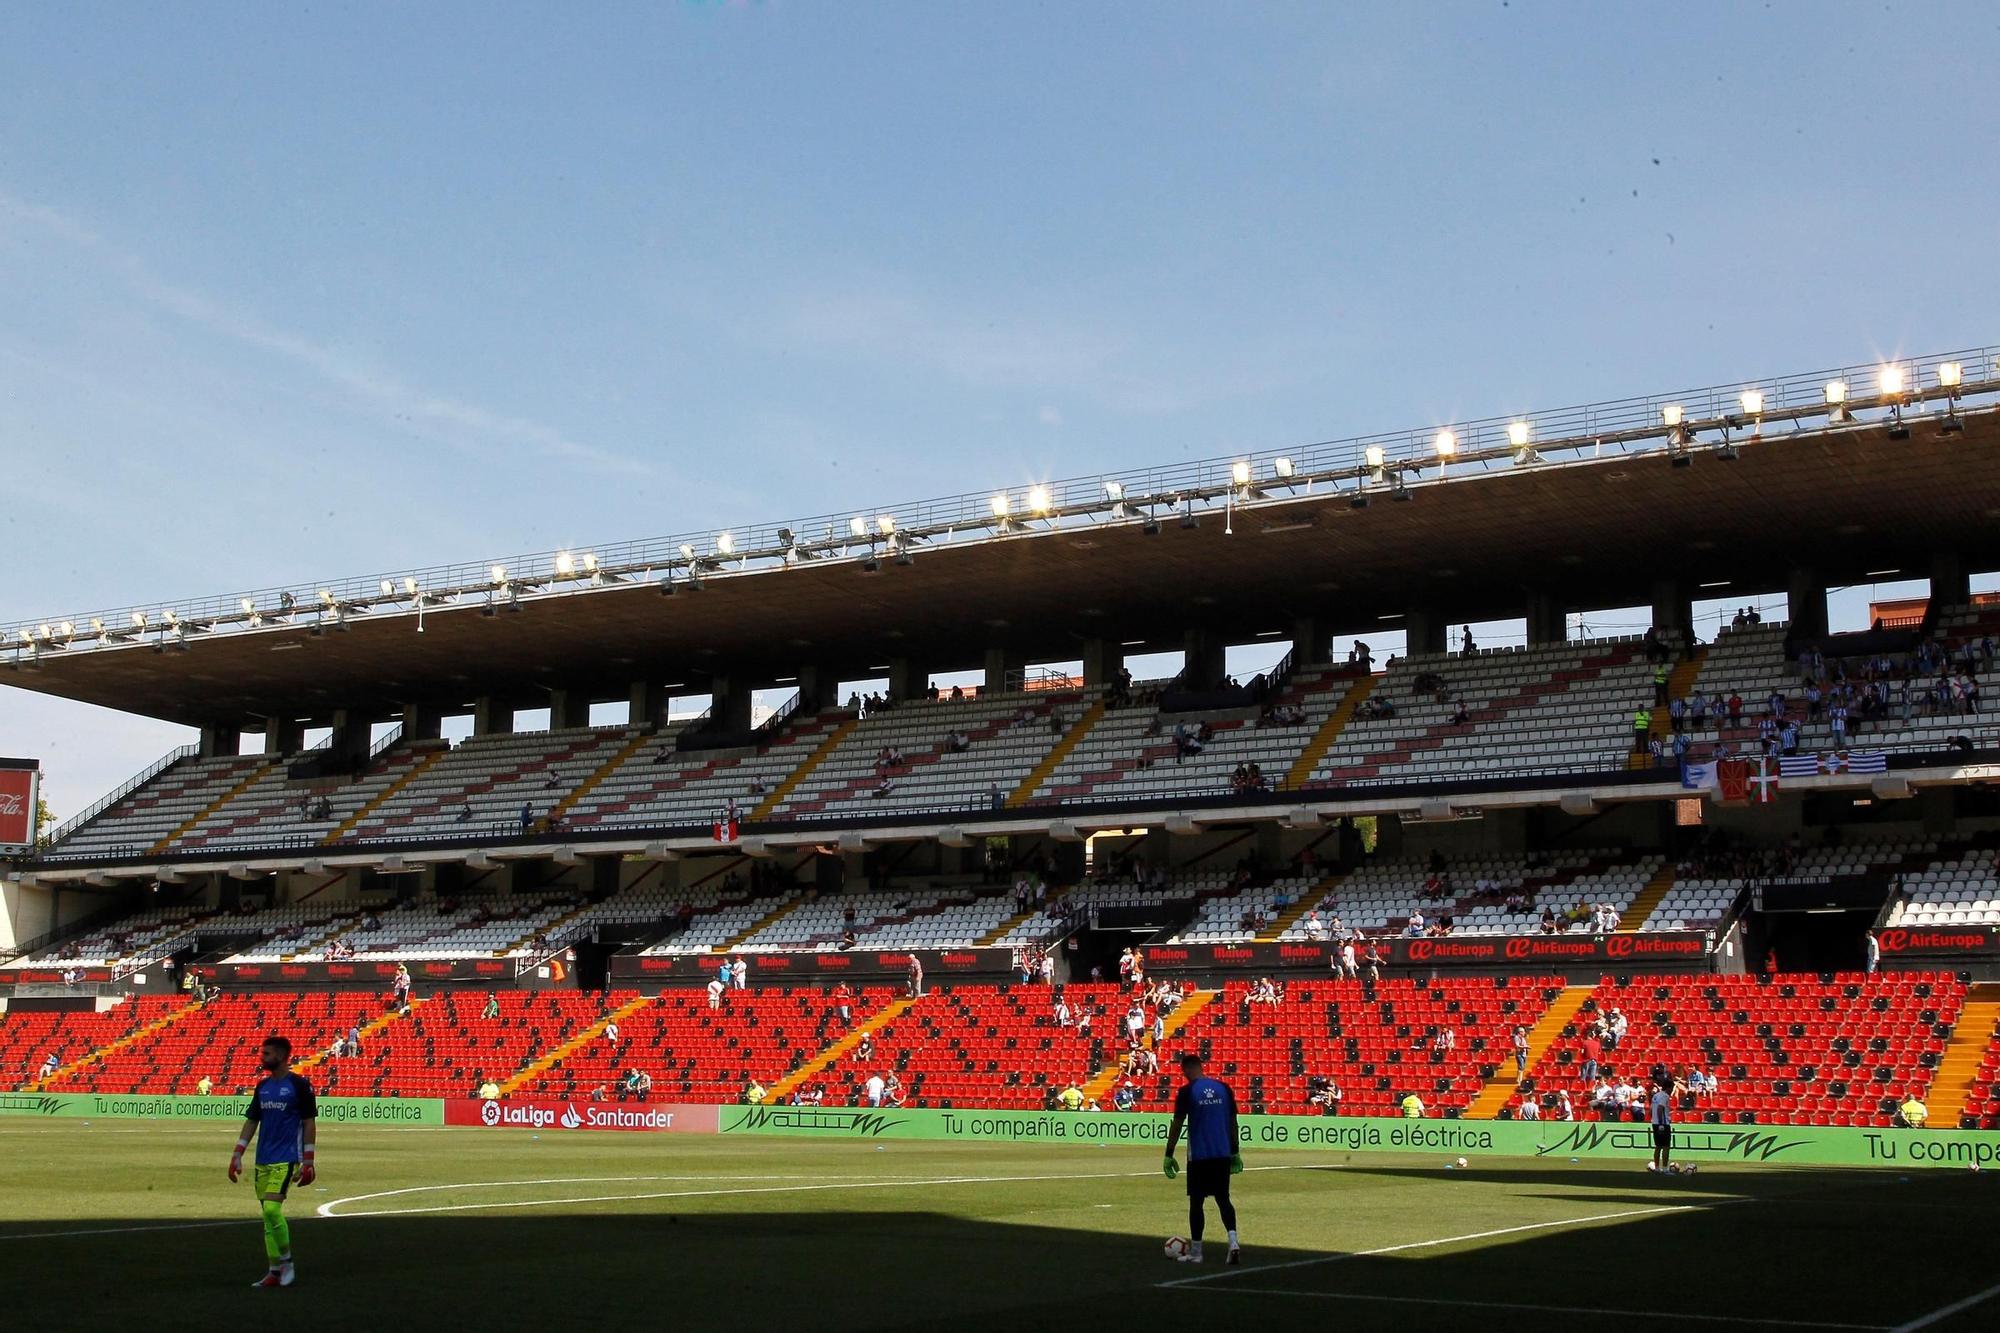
(1520, 1053)
(1912, 1113)
(716, 986)
(740, 974)
(1412, 1106)
(1531, 1109)
(488, 1090)
(492, 1009)
(1323, 1094)
(1642, 729)
(1465, 645)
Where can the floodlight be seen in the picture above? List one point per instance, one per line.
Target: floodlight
(1950, 374)
(886, 524)
(1239, 472)
(1889, 380)
(1752, 402)
(725, 543)
(857, 526)
(1038, 498)
(1000, 504)
(1446, 443)
(96, 625)
(326, 596)
(499, 573)
(1836, 400)
(687, 552)
(138, 620)
(1373, 453)
(1671, 414)
(565, 563)
(1282, 469)
(68, 629)
(1114, 491)
(409, 586)
(1519, 433)
(388, 588)
(590, 562)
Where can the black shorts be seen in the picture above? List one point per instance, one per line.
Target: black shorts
(1208, 1178)
(1663, 1136)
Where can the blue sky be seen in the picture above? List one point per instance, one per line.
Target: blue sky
(296, 294)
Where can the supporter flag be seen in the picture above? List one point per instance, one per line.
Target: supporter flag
(725, 827)
(1697, 777)
(1864, 761)
(1732, 778)
(1763, 782)
(1799, 766)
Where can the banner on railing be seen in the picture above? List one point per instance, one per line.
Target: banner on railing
(1472, 1139)
(139, 1106)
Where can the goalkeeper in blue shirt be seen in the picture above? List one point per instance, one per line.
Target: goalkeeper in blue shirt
(281, 1118)
(1206, 1108)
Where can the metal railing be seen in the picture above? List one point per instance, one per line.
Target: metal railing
(132, 784)
(1175, 492)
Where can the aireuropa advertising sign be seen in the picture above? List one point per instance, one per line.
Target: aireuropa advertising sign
(1783, 1144)
(512, 1113)
(104, 1106)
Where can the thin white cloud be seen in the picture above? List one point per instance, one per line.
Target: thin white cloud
(378, 389)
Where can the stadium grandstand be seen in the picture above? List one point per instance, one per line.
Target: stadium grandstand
(875, 804)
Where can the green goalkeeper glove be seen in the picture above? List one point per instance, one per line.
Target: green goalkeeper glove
(1236, 1164)
(1170, 1167)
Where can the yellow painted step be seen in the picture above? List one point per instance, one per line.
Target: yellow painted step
(188, 825)
(1000, 932)
(1499, 1089)
(353, 821)
(1070, 740)
(805, 769)
(1958, 1067)
(83, 1062)
(1329, 731)
(604, 770)
(784, 909)
(1647, 902)
(541, 1064)
(368, 1031)
(1106, 1079)
(1296, 913)
(888, 1013)
(1680, 684)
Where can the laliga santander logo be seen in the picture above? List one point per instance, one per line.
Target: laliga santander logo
(570, 1119)
(489, 1114)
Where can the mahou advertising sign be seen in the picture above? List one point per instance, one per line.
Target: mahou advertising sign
(18, 786)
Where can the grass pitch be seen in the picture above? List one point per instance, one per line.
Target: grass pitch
(116, 1225)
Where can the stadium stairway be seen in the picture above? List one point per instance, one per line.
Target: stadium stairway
(546, 1061)
(1106, 1079)
(136, 1035)
(1294, 914)
(1006, 928)
(640, 740)
(1329, 732)
(1642, 907)
(256, 774)
(787, 904)
(1958, 1068)
(368, 1032)
(388, 793)
(887, 1014)
(1071, 739)
(791, 780)
(1500, 1088)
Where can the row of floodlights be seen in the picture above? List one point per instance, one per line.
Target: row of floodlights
(1891, 383)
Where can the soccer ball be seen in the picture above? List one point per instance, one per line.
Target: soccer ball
(1461, 1163)
(1177, 1247)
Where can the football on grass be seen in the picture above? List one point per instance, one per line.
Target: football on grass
(1177, 1246)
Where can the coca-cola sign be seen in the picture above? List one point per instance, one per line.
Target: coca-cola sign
(18, 779)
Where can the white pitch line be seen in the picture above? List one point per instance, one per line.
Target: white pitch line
(1547, 1309)
(1943, 1313)
(1430, 1244)
(326, 1209)
(122, 1231)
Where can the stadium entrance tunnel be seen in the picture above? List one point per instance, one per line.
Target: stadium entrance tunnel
(1002, 1246)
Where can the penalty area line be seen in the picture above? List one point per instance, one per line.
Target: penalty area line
(1944, 1312)
(1431, 1244)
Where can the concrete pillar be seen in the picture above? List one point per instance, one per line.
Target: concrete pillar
(421, 723)
(220, 739)
(1101, 660)
(1547, 621)
(282, 735)
(1425, 631)
(1806, 595)
(1002, 670)
(1673, 608)
(646, 703)
(908, 679)
(568, 709)
(1951, 585)
(1312, 642)
(1205, 660)
(492, 716)
(729, 704)
(351, 735)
